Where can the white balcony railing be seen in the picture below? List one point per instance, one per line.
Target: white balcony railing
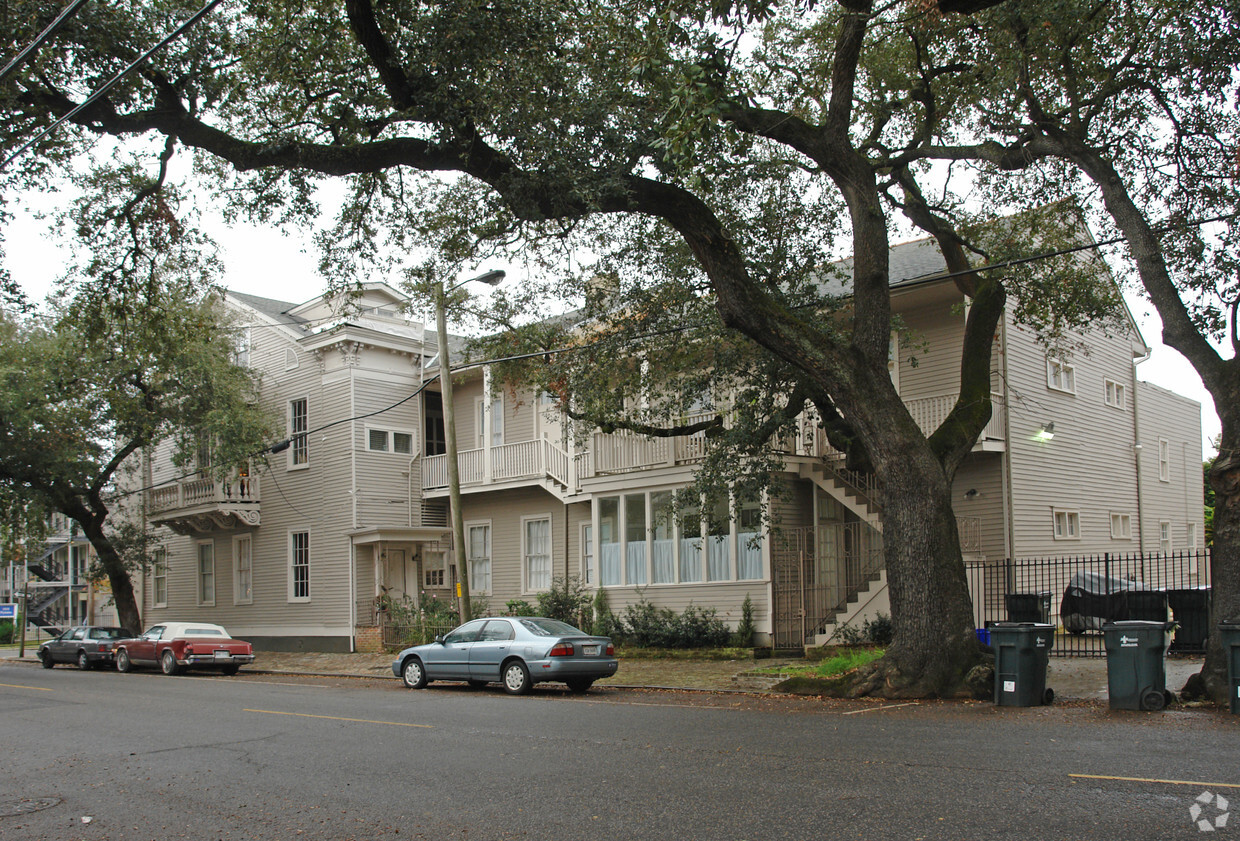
(620, 452)
(203, 491)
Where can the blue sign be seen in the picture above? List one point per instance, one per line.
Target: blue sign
(8, 611)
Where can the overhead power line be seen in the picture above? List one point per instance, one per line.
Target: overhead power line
(108, 85)
(52, 28)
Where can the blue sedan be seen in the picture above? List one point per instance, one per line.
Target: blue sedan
(517, 651)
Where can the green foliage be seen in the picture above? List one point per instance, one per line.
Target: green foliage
(568, 600)
(7, 631)
(647, 626)
(877, 630)
(519, 607)
(606, 623)
(746, 629)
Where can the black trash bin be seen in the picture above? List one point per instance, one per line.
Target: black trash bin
(1136, 666)
(1028, 607)
(1146, 605)
(1021, 650)
(1229, 633)
(1190, 608)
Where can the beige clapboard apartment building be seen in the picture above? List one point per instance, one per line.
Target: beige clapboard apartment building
(293, 554)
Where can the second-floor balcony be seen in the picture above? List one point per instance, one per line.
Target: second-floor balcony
(541, 461)
(201, 504)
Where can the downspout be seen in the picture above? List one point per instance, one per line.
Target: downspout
(352, 556)
(1009, 522)
(1137, 448)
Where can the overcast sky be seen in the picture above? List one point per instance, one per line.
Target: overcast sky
(265, 262)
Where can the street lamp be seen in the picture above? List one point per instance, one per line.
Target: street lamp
(449, 419)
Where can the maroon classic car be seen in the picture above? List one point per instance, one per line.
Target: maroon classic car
(174, 646)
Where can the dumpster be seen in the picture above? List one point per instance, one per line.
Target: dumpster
(1190, 608)
(1136, 668)
(1021, 650)
(1028, 607)
(1230, 634)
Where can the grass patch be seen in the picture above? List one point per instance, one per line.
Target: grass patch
(841, 663)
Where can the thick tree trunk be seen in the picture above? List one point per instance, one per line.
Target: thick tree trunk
(934, 645)
(1224, 554)
(118, 576)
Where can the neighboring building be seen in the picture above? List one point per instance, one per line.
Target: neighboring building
(356, 507)
(61, 592)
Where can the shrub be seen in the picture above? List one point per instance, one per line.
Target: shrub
(745, 630)
(878, 630)
(519, 607)
(567, 601)
(606, 623)
(6, 632)
(647, 626)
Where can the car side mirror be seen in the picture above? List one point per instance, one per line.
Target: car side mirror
(439, 638)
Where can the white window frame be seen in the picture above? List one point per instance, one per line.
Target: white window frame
(243, 577)
(294, 562)
(159, 577)
(1066, 523)
(1192, 537)
(587, 554)
(1060, 375)
(528, 584)
(1114, 394)
(242, 348)
(201, 572)
(472, 561)
(299, 440)
(441, 567)
(1164, 537)
(1164, 460)
(389, 438)
(489, 415)
(291, 360)
(1121, 526)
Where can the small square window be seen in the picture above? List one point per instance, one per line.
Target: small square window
(1121, 527)
(1060, 376)
(402, 442)
(377, 439)
(1067, 525)
(1114, 394)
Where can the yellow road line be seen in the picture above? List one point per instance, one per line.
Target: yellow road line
(19, 686)
(339, 718)
(1149, 780)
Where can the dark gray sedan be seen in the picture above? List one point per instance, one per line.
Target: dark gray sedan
(517, 651)
(86, 645)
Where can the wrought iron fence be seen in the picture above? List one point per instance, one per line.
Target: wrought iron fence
(1079, 594)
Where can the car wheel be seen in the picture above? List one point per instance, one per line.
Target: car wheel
(413, 674)
(579, 685)
(516, 678)
(168, 662)
(46, 658)
(123, 663)
(83, 661)
(230, 670)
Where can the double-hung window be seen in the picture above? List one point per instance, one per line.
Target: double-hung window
(159, 577)
(538, 554)
(1060, 375)
(299, 566)
(243, 570)
(206, 573)
(1164, 460)
(298, 426)
(478, 547)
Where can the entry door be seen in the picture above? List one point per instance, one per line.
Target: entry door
(396, 575)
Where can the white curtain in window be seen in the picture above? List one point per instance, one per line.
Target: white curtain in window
(691, 559)
(609, 564)
(663, 553)
(749, 555)
(717, 558)
(636, 569)
(538, 554)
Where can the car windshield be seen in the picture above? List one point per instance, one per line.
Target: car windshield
(549, 628)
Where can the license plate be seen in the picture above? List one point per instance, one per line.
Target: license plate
(223, 655)
(590, 650)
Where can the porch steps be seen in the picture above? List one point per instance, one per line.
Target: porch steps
(851, 498)
(868, 601)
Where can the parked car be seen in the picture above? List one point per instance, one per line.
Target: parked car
(86, 645)
(517, 651)
(174, 646)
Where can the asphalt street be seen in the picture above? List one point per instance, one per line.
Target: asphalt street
(103, 755)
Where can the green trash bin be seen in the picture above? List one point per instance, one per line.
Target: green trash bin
(1021, 650)
(1136, 668)
(1229, 635)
